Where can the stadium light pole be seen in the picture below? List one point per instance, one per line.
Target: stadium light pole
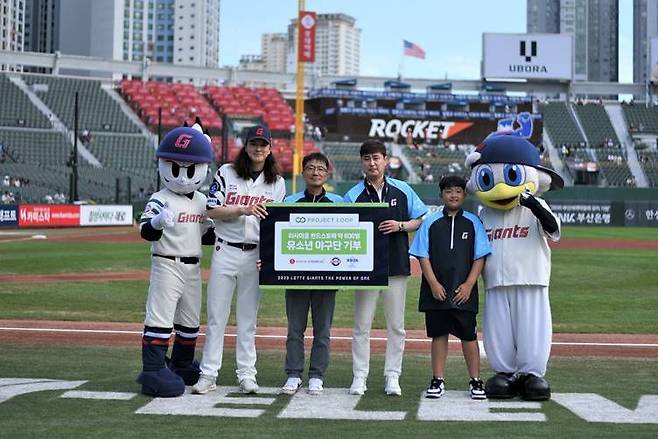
(74, 159)
(157, 168)
(299, 107)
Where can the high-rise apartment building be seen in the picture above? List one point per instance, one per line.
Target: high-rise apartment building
(12, 28)
(169, 31)
(337, 46)
(274, 51)
(645, 27)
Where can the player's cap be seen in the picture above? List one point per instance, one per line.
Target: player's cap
(185, 144)
(259, 132)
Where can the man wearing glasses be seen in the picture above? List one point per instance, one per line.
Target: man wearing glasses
(315, 169)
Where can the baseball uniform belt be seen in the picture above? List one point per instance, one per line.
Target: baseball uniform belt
(244, 246)
(183, 259)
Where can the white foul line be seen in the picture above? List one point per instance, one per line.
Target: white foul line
(337, 337)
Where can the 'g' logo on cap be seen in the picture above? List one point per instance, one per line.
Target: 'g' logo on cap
(259, 132)
(183, 141)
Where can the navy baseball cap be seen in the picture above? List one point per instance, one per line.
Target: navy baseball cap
(508, 148)
(259, 132)
(186, 145)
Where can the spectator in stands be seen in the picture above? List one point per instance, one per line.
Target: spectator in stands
(6, 181)
(85, 137)
(5, 198)
(317, 134)
(410, 138)
(48, 199)
(429, 178)
(142, 193)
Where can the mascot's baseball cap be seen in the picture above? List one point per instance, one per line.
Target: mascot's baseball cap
(508, 148)
(185, 144)
(259, 132)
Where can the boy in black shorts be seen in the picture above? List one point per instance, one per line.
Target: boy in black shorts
(451, 246)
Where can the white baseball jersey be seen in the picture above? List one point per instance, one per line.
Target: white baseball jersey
(520, 254)
(191, 222)
(228, 189)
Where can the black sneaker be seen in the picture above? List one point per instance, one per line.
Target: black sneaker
(436, 389)
(476, 389)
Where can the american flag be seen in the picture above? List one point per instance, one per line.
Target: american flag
(411, 49)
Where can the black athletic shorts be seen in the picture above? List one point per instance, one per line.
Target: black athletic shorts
(459, 323)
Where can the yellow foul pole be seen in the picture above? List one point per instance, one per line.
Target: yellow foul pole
(299, 110)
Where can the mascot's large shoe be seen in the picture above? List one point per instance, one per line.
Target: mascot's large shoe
(162, 383)
(534, 388)
(502, 386)
(188, 371)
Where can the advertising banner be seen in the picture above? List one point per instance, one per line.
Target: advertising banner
(323, 246)
(586, 213)
(8, 215)
(527, 56)
(306, 47)
(359, 128)
(48, 215)
(641, 213)
(106, 215)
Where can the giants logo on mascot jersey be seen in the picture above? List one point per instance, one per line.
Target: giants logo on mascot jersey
(184, 217)
(508, 232)
(233, 199)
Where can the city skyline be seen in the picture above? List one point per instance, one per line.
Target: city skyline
(382, 36)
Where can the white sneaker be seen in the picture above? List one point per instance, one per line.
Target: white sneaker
(249, 385)
(205, 384)
(291, 386)
(358, 386)
(315, 386)
(392, 386)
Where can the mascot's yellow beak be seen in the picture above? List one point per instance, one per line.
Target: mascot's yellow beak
(503, 196)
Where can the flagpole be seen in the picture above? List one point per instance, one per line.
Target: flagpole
(401, 64)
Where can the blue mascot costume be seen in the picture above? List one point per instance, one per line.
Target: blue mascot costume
(175, 222)
(507, 178)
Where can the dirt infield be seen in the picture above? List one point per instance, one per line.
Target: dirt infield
(128, 334)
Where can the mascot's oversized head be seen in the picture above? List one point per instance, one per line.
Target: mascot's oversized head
(504, 166)
(183, 157)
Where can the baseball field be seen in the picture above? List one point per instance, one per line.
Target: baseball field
(72, 303)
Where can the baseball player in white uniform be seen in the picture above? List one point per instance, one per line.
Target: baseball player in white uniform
(236, 203)
(506, 176)
(175, 222)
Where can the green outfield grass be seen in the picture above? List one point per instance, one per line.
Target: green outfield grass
(114, 369)
(592, 232)
(607, 291)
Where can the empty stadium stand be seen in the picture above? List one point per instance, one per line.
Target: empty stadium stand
(641, 119)
(20, 112)
(648, 158)
(597, 126)
(33, 146)
(438, 162)
(97, 110)
(179, 103)
(122, 151)
(560, 125)
(266, 103)
(614, 167)
(345, 159)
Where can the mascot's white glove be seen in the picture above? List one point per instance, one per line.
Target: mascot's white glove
(163, 220)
